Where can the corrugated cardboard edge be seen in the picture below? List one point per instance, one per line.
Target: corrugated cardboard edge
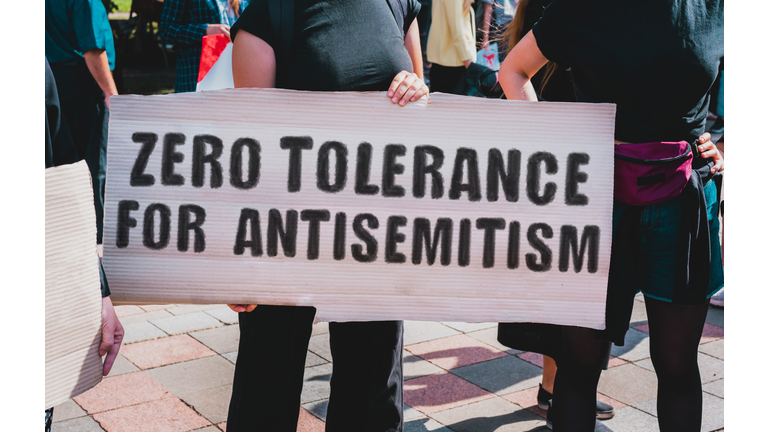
(72, 285)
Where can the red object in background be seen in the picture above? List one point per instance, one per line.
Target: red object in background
(213, 46)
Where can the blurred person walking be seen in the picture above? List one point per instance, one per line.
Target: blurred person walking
(81, 53)
(451, 43)
(185, 22)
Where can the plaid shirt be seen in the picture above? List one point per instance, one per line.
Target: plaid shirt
(183, 24)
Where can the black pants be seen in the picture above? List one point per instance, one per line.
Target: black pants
(85, 110)
(444, 78)
(366, 385)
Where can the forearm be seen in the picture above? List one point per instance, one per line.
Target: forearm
(98, 66)
(413, 46)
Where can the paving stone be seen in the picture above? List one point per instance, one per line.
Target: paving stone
(151, 308)
(320, 328)
(212, 403)
(615, 361)
(629, 384)
(710, 368)
(81, 424)
(422, 331)
(185, 309)
(232, 357)
(164, 415)
(186, 323)
(141, 331)
(318, 408)
(220, 339)
(122, 366)
(469, 327)
(415, 366)
(309, 423)
(648, 407)
(639, 314)
(314, 360)
(424, 425)
(410, 414)
(636, 346)
(713, 413)
(501, 376)
(145, 316)
(223, 314)
(716, 388)
(165, 351)
(124, 311)
(711, 333)
(716, 317)
(629, 419)
(121, 391)
(527, 399)
(222, 426)
(195, 375)
(321, 346)
(497, 414)
(317, 383)
(455, 351)
(67, 411)
(488, 336)
(532, 358)
(438, 392)
(610, 401)
(208, 429)
(715, 349)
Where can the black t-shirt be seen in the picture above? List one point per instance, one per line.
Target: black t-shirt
(338, 45)
(655, 60)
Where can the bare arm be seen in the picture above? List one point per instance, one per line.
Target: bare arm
(412, 44)
(253, 62)
(98, 65)
(521, 64)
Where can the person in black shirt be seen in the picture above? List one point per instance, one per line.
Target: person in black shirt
(342, 45)
(657, 62)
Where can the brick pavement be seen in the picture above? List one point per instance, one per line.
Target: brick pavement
(174, 373)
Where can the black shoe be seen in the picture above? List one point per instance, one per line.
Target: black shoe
(544, 398)
(604, 411)
(549, 419)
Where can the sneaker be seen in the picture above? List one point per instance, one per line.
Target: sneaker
(544, 398)
(717, 299)
(604, 411)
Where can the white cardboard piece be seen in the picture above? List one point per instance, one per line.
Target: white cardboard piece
(72, 285)
(147, 262)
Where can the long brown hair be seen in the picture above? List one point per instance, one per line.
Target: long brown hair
(514, 33)
(235, 5)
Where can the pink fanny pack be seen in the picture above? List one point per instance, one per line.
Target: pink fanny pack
(649, 173)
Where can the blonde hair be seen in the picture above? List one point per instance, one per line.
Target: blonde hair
(467, 6)
(514, 33)
(235, 5)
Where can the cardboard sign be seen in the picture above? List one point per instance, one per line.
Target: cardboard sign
(72, 285)
(361, 208)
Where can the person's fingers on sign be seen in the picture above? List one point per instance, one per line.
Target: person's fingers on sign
(214, 29)
(112, 333)
(407, 87)
(242, 307)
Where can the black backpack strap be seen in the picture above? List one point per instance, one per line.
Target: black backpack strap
(282, 16)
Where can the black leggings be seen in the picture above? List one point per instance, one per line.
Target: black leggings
(675, 332)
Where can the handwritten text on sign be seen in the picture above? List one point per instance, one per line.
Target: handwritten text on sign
(348, 215)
